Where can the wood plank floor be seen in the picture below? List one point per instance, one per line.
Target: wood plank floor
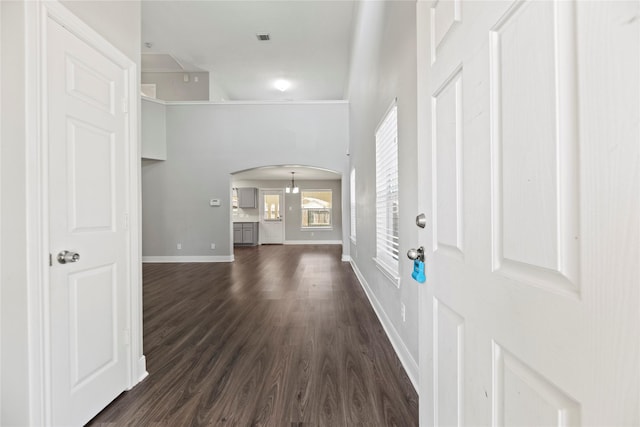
(284, 336)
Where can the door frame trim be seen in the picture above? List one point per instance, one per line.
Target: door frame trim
(37, 13)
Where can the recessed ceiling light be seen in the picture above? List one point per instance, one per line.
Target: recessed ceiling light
(282, 85)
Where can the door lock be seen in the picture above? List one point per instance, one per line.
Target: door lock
(65, 257)
(421, 220)
(416, 254)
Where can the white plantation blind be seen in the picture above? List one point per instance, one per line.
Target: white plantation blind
(387, 194)
(352, 196)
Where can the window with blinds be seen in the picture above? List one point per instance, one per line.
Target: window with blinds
(352, 196)
(387, 195)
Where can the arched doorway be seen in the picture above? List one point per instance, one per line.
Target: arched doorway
(261, 203)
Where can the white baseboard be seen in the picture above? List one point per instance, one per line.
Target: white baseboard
(346, 258)
(163, 259)
(141, 371)
(313, 242)
(408, 362)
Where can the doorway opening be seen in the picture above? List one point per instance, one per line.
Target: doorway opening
(260, 203)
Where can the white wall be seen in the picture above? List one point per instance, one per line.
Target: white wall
(216, 92)
(0, 209)
(14, 334)
(206, 143)
(383, 67)
(118, 22)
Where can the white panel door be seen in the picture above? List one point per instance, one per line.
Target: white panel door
(271, 217)
(87, 211)
(529, 157)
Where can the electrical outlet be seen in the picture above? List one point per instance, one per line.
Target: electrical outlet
(213, 246)
(403, 312)
(179, 246)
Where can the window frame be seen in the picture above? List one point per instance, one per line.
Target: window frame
(352, 205)
(387, 196)
(302, 209)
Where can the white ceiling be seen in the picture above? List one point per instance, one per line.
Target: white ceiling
(302, 173)
(309, 46)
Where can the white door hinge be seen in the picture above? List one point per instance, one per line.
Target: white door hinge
(126, 337)
(125, 105)
(126, 221)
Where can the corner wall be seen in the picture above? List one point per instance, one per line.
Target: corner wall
(383, 67)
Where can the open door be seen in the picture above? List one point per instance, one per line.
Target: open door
(89, 233)
(529, 153)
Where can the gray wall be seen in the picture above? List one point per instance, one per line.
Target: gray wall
(383, 67)
(208, 142)
(153, 127)
(172, 87)
(292, 230)
(118, 22)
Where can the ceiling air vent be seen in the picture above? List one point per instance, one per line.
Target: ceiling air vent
(263, 37)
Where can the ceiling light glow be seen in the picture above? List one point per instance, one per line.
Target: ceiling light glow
(282, 85)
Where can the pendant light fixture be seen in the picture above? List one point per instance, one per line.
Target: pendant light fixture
(292, 188)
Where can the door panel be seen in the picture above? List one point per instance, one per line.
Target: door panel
(93, 323)
(448, 340)
(534, 181)
(87, 213)
(529, 154)
(523, 397)
(447, 166)
(91, 206)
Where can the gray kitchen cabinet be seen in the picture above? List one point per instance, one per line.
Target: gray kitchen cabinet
(237, 233)
(247, 197)
(245, 233)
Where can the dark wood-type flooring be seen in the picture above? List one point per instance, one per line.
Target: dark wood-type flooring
(283, 336)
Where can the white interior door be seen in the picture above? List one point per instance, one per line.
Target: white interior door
(271, 217)
(88, 216)
(529, 140)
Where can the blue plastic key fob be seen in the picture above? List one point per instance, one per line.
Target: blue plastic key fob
(418, 271)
